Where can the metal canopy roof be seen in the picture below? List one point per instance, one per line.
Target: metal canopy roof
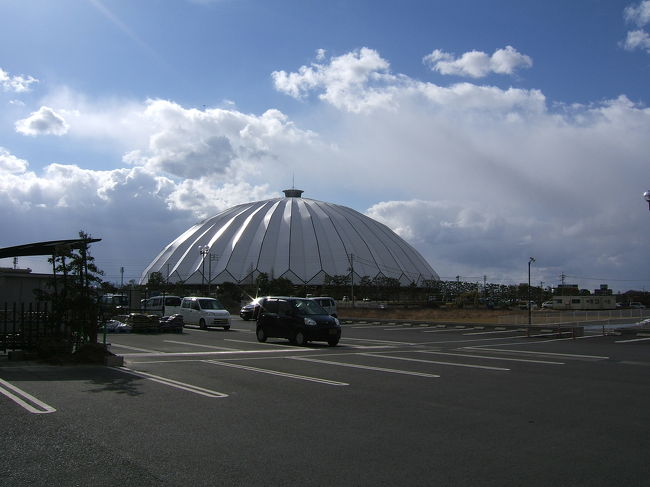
(45, 248)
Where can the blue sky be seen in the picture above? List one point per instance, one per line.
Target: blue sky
(482, 132)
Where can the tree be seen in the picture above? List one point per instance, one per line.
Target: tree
(75, 290)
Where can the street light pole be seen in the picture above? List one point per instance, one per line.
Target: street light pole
(646, 196)
(530, 318)
(203, 250)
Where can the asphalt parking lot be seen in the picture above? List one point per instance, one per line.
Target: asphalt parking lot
(391, 405)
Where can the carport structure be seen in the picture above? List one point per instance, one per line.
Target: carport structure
(24, 327)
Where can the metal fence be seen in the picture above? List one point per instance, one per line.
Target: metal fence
(28, 327)
(597, 316)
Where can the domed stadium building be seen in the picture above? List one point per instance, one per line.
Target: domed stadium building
(297, 238)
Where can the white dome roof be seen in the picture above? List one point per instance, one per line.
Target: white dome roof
(301, 239)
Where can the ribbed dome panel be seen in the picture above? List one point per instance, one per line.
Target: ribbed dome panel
(298, 238)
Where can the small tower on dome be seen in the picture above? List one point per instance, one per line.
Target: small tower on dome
(293, 193)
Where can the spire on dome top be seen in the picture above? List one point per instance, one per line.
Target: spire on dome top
(293, 193)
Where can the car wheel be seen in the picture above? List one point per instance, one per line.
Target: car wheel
(202, 324)
(299, 339)
(261, 336)
(333, 342)
(226, 328)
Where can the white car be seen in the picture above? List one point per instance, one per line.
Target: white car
(204, 312)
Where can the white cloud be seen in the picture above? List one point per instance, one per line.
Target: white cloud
(355, 81)
(11, 164)
(16, 83)
(478, 178)
(43, 122)
(190, 143)
(637, 39)
(478, 64)
(638, 14)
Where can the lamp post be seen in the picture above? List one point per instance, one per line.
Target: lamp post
(203, 250)
(530, 318)
(646, 196)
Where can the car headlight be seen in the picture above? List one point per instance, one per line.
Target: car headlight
(338, 323)
(310, 322)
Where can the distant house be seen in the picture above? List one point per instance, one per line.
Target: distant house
(584, 302)
(18, 285)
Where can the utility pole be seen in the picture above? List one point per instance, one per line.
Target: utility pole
(530, 316)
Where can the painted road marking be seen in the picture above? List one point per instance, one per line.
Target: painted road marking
(632, 340)
(113, 344)
(454, 364)
(534, 352)
(493, 332)
(366, 367)
(278, 373)
(224, 352)
(259, 343)
(174, 383)
(24, 399)
(390, 342)
(493, 358)
(198, 345)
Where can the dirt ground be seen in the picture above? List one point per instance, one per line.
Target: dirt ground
(443, 315)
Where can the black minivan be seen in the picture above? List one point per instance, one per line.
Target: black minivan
(300, 320)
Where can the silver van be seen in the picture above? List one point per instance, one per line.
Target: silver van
(327, 303)
(204, 312)
(162, 305)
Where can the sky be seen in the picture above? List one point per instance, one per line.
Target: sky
(483, 133)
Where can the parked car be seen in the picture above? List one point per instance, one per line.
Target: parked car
(300, 320)
(204, 312)
(249, 311)
(547, 305)
(637, 305)
(117, 326)
(328, 304)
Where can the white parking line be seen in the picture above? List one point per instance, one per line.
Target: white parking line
(25, 397)
(493, 332)
(223, 352)
(366, 367)
(508, 359)
(278, 373)
(174, 383)
(198, 345)
(454, 364)
(534, 352)
(146, 350)
(377, 341)
(632, 340)
(259, 343)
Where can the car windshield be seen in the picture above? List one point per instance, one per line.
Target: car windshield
(210, 304)
(308, 307)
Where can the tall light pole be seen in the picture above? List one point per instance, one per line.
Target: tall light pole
(646, 196)
(203, 250)
(530, 318)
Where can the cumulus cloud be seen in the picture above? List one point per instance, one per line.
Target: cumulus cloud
(355, 81)
(477, 178)
(10, 164)
(45, 121)
(191, 143)
(478, 64)
(639, 15)
(16, 83)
